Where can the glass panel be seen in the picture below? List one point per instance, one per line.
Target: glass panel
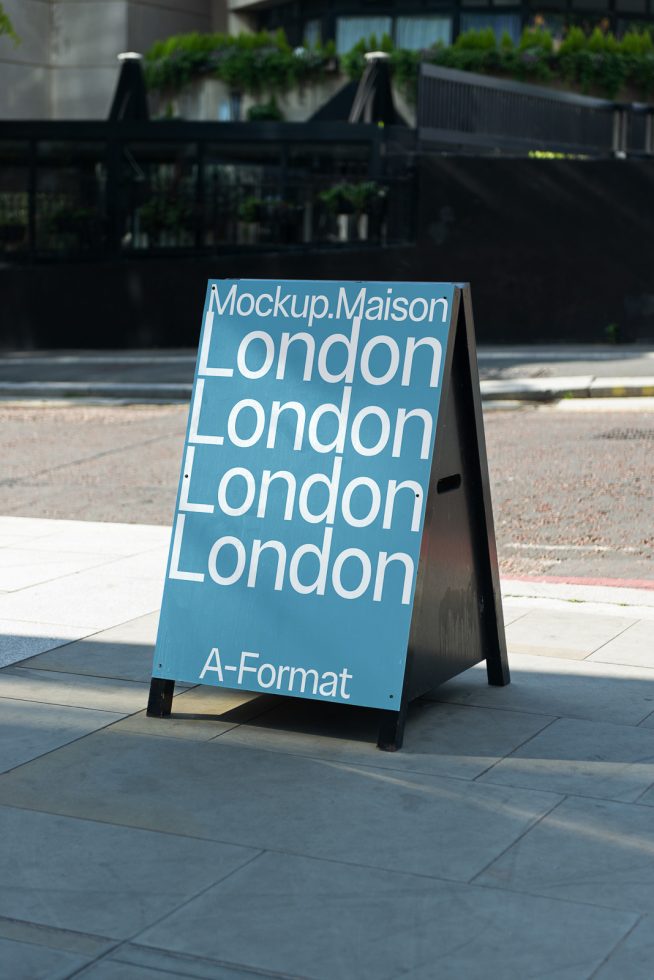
(553, 22)
(312, 32)
(156, 201)
(511, 23)
(631, 6)
(70, 196)
(246, 200)
(417, 33)
(350, 30)
(599, 5)
(13, 198)
(547, 4)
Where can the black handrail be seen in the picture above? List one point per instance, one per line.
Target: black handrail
(478, 112)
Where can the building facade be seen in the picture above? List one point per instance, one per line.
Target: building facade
(417, 24)
(65, 66)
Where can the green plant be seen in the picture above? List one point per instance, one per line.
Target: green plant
(250, 210)
(601, 43)
(250, 63)
(265, 63)
(347, 198)
(354, 62)
(575, 40)
(536, 38)
(69, 219)
(405, 66)
(635, 42)
(612, 333)
(477, 40)
(265, 112)
(166, 210)
(6, 27)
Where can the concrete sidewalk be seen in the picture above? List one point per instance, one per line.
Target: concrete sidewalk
(511, 837)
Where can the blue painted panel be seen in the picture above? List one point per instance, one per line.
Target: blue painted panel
(305, 472)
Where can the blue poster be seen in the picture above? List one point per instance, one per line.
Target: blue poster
(301, 503)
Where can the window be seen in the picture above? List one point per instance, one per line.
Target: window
(598, 5)
(417, 33)
(511, 23)
(312, 32)
(349, 30)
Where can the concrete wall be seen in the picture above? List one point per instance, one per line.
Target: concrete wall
(65, 66)
(84, 42)
(25, 68)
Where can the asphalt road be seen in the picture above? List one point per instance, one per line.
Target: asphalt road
(572, 485)
(176, 366)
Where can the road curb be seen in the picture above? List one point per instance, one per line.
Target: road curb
(519, 390)
(95, 389)
(555, 389)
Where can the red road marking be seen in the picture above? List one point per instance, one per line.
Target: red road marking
(614, 583)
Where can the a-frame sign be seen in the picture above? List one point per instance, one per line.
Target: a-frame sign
(333, 535)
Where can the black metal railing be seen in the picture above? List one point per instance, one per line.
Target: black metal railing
(141, 188)
(467, 111)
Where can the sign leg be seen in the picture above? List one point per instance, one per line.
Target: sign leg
(160, 701)
(497, 669)
(391, 730)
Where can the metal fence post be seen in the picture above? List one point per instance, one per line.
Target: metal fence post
(649, 130)
(620, 128)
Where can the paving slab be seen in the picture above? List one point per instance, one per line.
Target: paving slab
(558, 633)
(648, 797)
(99, 536)
(20, 640)
(582, 758)
(104, 694)
(324, 919)
(635, 646)
(402, 821)
(66, 940)
(592, 851)
(632, 958)
(124, 652)
(560, 687)
(513, 610)
(92, 877)
(196, 714)
(623, 599)
(113, 970)
(10, 540)
(29, 729)
(647, 722)
(97, 599)
(20, 961)
(22, 567)
(147, 564)
(160, 964)
(33, 527)
(444, 739)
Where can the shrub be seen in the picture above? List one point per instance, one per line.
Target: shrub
(265, 112)
(266, 63)
(538, 38)
(250, 63)
(481, 40)
(347, 198)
